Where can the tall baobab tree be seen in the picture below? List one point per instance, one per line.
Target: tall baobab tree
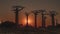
(35, 12)
(43, 13)
(27, 14)
(17, 9)
(53, 14)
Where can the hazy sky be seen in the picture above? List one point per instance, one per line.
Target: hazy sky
(6, 12)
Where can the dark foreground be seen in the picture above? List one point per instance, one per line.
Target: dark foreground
(16, 31)
(11, 28)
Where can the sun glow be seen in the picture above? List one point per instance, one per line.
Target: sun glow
(29, 21)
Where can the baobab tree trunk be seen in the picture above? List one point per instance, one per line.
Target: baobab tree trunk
(27, 20)
(16, 16)
(43, 22)
(35, 21)
(53, 21)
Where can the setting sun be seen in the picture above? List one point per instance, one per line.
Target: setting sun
(29, 21)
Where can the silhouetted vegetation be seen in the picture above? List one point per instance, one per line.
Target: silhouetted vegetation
(11, 27)
(7, 24)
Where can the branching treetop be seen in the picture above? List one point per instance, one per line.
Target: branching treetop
(17, 8)
(52, 13)
(35, 12)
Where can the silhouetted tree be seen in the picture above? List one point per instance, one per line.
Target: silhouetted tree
(52, 14)
(27, 14)
(17, 9)
(35, 12)
(43, 13)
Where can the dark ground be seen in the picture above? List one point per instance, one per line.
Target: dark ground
(16, 31)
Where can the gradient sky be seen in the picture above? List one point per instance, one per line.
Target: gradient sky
(6, 12)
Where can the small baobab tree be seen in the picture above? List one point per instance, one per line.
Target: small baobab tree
(53, 14)
(35, 12)
(43, 13)
(27, 14)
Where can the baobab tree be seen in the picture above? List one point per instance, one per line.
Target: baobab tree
(52, 14)
(43, 13)
(27, 14)
(35, 12)
(17, 9)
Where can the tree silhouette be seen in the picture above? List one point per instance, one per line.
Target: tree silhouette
(27, 14)
(43, 13)
(35, 12)
(52, 14)
(17, 9)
